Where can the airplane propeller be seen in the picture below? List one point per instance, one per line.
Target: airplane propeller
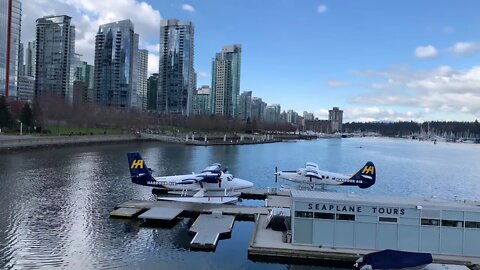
(219, 183)
(276, 174)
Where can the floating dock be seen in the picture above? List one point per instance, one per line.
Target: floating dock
(209, 228)
(161, 213)
(241, 211)
(124, 212)
(215, 221)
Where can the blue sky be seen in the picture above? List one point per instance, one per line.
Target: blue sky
(377, 60)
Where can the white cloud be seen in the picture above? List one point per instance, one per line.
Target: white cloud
(153, 61)
(426, 51)
(321, 8)
(465, 47)
(371, 114)
(321, 113)
(439, 90)
(188, 8)
(87, 15)
(202, 74)
(336, 84)
(152, 48)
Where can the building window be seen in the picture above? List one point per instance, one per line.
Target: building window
(349, 217)
(303, 214)
(387, 219)
(430, 222)
(321, 215)
(472, 224)
(452, 223)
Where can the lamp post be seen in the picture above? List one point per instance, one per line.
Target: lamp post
(21, 127)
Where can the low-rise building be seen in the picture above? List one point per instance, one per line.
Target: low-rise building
(351, 221)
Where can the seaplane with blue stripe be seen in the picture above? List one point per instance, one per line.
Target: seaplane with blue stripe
(212, 185)
(312, 177)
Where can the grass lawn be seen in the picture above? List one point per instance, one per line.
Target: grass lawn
(64, 130)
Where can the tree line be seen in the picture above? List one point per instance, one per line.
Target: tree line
(13, 113)
(50, 110)
(404, 128)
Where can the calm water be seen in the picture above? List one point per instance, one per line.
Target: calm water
(55, 203)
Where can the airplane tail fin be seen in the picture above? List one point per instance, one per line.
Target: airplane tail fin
(139, 171)
(365, 176)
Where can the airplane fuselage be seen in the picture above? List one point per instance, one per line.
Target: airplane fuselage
(324, 178)
(190, 182)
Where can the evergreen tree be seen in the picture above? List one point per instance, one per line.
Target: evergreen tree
(5, 116)
(27, 115)
(248, 126)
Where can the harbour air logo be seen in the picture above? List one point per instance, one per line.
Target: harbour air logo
(137, 164)
(368, 170)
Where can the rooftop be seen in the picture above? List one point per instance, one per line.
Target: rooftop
(368, 199)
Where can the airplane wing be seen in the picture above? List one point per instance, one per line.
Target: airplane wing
(313, 174)
(213, 168)
(208, 177)
(311, 165)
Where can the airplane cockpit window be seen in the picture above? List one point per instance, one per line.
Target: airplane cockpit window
(230, 178)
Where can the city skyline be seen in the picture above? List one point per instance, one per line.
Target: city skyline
(377, 61)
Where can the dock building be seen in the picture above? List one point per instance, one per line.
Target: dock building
(350, 221)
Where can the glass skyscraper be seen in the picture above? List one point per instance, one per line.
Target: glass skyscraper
(142, 65)
(258, 109)
(10, 25)
(201, 101)
(152, 88)
(30, 59)
(176, 73)
(245, 105)
(115, 46)
(55, 54)
(226, 81)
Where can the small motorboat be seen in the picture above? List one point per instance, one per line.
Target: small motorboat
(393, 259)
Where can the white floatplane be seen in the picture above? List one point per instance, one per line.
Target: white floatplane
(312, 177)
(212, 185)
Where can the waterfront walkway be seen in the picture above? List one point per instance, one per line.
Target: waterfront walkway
(26, 141)
(190, 139)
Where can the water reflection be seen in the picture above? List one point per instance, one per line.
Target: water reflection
(56, 202)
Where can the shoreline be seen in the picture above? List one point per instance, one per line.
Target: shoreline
(26, 142)
(33, 142)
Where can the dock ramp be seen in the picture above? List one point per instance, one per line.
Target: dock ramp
(209, 228)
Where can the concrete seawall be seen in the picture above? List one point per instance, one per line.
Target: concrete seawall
(18, 142)
(211, 140)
